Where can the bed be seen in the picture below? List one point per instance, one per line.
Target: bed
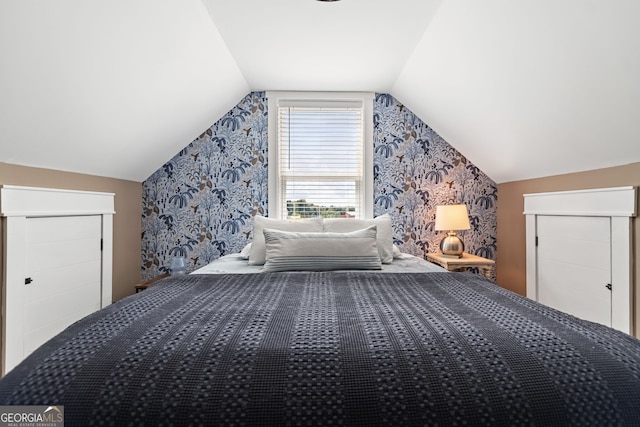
(237, 264)
(355, 347)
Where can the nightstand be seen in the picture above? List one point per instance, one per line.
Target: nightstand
(144, 285)
(461, 264)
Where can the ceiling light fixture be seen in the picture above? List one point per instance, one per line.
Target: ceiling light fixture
(327, 1)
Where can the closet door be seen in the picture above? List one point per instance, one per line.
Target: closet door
(57, 262)
(62, 274)
(574, 265)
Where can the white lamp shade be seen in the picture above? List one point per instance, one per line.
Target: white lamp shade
(452, 217)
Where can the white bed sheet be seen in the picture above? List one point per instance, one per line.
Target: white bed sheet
(234, 264)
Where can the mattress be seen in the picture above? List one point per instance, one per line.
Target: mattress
(342, 348)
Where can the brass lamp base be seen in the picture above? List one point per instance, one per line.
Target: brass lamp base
(452, 246)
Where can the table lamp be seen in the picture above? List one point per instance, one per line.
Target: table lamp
(451, 218)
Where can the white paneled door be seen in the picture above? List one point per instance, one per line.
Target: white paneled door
(58, 263)
(574, 265)
(63, 274)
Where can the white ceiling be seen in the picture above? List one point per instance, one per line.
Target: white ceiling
(524, 88)
(349, 45)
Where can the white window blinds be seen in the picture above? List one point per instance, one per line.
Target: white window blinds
(318, 158)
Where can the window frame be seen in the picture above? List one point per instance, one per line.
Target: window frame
(274, 99)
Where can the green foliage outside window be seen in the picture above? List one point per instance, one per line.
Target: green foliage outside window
(303, 209)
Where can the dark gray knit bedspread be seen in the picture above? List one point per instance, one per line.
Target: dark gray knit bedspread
(332, 349)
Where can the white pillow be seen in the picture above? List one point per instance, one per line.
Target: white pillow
(244, 253)
(385, 233)
(321, 251)
(397, 253)
(257, 252)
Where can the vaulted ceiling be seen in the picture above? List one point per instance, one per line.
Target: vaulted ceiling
(523, 88)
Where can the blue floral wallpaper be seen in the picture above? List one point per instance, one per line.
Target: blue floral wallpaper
(200, 203)
(416, 170)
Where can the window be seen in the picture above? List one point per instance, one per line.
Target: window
(320, 154)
